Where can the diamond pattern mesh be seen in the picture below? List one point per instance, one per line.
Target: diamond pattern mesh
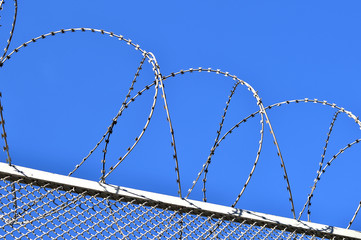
(39, 210)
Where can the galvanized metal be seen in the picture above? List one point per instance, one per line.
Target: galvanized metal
(52, 206)
(181, 218)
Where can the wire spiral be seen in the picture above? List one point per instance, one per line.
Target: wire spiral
(158, 85)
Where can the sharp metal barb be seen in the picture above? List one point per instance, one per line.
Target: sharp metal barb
(253, 167)
(282, 165)
(12, 29)
(114, 121)
(208, 161)
(4, 134)
(318, 178)
(306, 100)
(73, 30)
(322, 159)
(171, 131)
(354, 216)
(226, 74)
(1, 4)
(157, 77)
(180, 219)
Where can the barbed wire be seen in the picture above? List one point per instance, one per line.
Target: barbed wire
(263, 114)
(2, 122)
(158, 78)
(62, 31)
(1, 6)
(318, 178)
(12, 29)
(3, 134)
(354, 216)
(323, 156)
(215, 142)
(158, 83)
(175, 155)
(110, 131)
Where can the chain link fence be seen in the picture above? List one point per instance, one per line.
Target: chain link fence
(40, 205)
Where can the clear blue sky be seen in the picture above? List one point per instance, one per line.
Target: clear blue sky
(60, 95)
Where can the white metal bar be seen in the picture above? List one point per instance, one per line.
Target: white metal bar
(176, 202)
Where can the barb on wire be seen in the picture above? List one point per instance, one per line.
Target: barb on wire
(1, 6)
(158, 83)
(226, 74)
(318, 178)
(72, 30)
(323, 157)
(253, 167)
(215, 143)
(104, 135)
(263, 112)
(158, 78)
(4, 135)
(110, 129)
(354, 216)
(175, 156)
(111, 169)
(12, 29)
(305, 100)
(283, 166)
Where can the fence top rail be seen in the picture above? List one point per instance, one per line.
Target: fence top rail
(116, 192)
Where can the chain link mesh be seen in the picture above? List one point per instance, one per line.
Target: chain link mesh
(37, 209)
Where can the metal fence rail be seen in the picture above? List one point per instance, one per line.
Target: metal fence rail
(41, 205)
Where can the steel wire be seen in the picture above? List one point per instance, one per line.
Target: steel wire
(12, 28)
(158, 83)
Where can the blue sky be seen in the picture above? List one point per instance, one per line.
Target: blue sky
(60, 94)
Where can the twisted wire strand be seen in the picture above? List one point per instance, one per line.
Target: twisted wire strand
(116, 117)
(1, 6)
(283, 166)
(229, 132)
(269, 107)
(175, 155)
(259, 102)
(218, 71)
(157, 72)
(354, 216)
(223, 116)
(215, 141)
(348, 113)
(159, 83)
(253, 168)
(263, 112)
(172, 132)
(318, 178)
(305, 100)
(159, 76)
(323, 155)
(12, 29)
(110, 130)
(62, 31)
(121, 159)
(4, 135)
(2, 123)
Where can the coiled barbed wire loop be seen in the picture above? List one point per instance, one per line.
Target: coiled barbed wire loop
(158, 83)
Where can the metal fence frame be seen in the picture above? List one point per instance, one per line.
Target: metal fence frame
(27, 175)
